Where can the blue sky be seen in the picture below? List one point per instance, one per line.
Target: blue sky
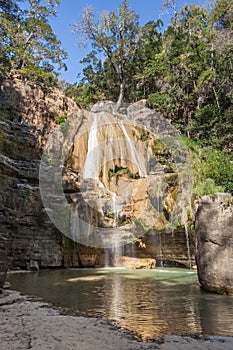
(70, 11)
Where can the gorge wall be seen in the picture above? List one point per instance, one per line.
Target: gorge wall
(28, 113)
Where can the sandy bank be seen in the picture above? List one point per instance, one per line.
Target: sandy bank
(26, 323)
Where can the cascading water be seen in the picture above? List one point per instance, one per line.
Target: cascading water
(114, 197)
(188, 245)
(91, 171)
(91, 166)
(117, 243)
(111, 186)
(138, 161)
(160, 250)
(185, 220)
(109, 141)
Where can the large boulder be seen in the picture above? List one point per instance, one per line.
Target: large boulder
(214, 243)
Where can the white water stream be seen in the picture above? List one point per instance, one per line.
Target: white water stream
(136, 159)
(94, 160)
(91, 166)
(124, 150)
(188, 245)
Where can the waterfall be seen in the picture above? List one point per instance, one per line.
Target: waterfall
(188, 245)
(91, 165)
(160, 249)
(137, 160)
(115, 208)
(185, 221)
(116, 239)
(91, 171)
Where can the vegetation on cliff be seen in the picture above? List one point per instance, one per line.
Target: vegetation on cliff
(183, 71)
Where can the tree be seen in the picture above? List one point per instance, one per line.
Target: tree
(184, 67)
(192, 74)
(29, 44)
(184, 72)
(9, 16)
(116, 34)
(170, 7)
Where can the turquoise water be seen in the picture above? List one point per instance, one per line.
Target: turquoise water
(149, 302)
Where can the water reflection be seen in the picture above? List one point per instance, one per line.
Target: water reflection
(149, 302)
(216, 314)
(152, 307)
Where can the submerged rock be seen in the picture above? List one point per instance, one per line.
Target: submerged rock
(214, 243)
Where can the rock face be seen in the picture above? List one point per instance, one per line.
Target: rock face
(214, 243)
(127, 177)
(122, 194)
(169, 248)
(33, 105)
(27, 114)
(4, 260)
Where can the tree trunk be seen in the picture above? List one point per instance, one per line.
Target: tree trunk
(120, 97)
(122, 88)
(216, 97)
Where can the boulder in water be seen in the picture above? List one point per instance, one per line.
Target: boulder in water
(214, 243)
(134, 263)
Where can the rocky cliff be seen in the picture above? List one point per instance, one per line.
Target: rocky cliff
(28, 114)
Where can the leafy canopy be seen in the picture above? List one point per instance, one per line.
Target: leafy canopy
(29, 47)
(116, 34)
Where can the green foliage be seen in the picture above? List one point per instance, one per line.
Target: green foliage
(61, 118)
(212, 169)
(219, 167)
(29, 46)
(119, 171)
(85, 95)
(114, 34)
(161, 101)
(39, 75)
(184, 72)
(222, 13)
(207, 186)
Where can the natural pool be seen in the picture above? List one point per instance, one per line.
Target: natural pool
(149, 302)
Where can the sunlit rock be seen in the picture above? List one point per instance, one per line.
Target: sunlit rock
(134, 263)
